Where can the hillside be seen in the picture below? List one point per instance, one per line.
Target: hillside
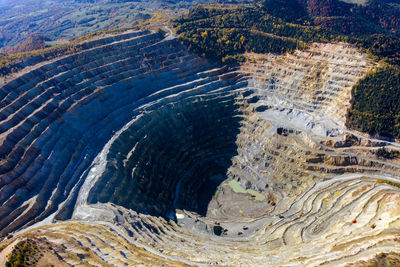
(66, 20)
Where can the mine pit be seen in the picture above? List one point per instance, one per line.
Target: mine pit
(144, 148)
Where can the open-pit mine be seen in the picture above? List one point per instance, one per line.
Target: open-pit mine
(135, 151)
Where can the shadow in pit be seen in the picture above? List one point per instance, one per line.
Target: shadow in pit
(172, 157)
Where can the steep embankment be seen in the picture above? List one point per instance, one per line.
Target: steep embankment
(56, 118)
(145, 145)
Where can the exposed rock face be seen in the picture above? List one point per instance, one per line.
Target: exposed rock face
(143, 144)
(316, 81)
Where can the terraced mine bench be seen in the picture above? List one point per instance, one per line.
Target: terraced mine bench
(135, 151)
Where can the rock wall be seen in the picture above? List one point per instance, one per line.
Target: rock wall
(55, 119)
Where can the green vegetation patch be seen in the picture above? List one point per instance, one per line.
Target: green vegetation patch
(25, 253)
(382, 181)
(382, 47)
(222, 32)
(216, 193)
(280, 26)
(385, 259)
(383, 153)
(237, 188)
(375, 103)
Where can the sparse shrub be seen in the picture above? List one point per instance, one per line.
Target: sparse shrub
(381, 181)
(24, 254)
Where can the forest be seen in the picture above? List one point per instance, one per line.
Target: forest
(279, 26)
(375, 103)
(219, 32)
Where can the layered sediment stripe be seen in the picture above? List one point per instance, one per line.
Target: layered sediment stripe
(195, 162)
(55, 119)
